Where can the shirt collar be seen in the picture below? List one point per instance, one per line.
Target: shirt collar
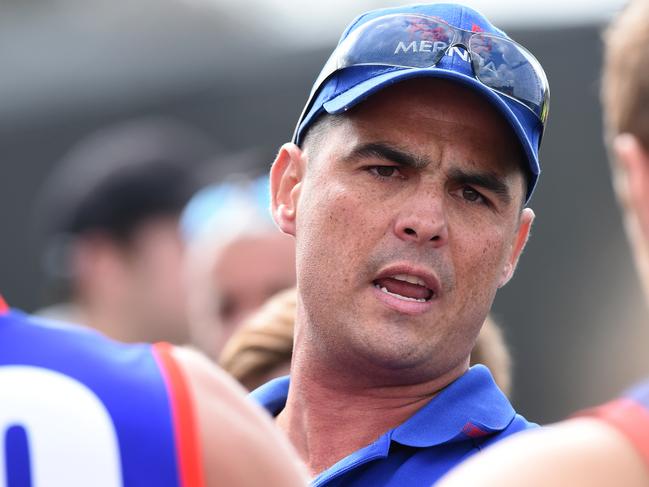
(470, 407)
(272, 395)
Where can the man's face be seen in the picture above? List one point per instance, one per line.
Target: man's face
(226, 288)
(407, 219)
(248, 272)
(631, 183)
(153, 282)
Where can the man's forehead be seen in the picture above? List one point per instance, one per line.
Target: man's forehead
(423, 118)
(446, 103)
(434, 156)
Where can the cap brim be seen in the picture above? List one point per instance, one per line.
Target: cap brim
(361, 91)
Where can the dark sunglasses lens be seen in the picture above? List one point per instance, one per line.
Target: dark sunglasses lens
(396, 40)
(509, 69)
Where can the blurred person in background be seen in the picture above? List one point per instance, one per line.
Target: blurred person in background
(236, 259)
(405, 187)
(110, 212)
(609, 444)
(80, 409)
(262, 348)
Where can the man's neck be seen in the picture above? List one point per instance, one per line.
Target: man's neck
(326, 420)
(110, 320)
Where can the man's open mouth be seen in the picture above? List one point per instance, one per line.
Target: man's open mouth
(406, 287)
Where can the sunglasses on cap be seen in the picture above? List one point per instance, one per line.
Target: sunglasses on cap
(419, 41)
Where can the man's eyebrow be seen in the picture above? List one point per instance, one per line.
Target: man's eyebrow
(486, 180)
(388, 153)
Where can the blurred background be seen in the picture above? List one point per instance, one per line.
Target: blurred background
(239, 72)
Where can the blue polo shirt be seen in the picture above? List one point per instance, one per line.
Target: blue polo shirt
(468, 415)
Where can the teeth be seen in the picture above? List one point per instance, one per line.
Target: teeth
(410, 279)
(405, 298)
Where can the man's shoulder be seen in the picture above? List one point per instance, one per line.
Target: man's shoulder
(577, 452)
(629, 416)
(114, 372)
(605, 445)
(45, 342)
(237, 429)
(110, 400)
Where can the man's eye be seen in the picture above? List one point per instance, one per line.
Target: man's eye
(471, 194)
(384, 171)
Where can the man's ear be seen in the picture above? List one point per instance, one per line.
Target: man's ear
(631, 178)
(520, 239)
(285, 184)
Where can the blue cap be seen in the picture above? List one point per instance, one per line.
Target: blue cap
(351, 85)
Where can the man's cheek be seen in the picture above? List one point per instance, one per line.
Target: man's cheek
(480, 260)
(347, 214)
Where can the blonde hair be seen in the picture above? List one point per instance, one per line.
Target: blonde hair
(490, 349)
(265, 342)
(625, 80)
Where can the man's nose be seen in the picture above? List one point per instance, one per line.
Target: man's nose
(423, 219)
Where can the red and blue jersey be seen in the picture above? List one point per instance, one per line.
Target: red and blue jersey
(79, 409)
(629, 414)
